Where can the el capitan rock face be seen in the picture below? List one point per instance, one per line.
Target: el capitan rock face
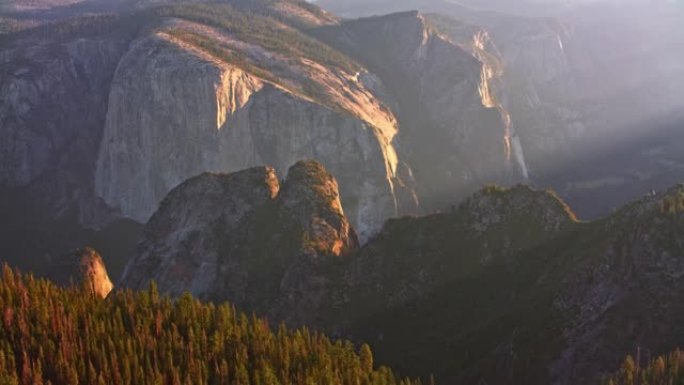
(244, 238)
(54, 92)
(230, 118)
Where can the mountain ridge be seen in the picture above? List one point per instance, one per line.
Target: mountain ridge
(511, 266)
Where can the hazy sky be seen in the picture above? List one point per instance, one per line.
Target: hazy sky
(512, 6)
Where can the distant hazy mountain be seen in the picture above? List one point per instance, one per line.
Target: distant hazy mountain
(592, 92)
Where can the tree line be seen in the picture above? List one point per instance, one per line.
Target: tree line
(54, 335)
(663, 370)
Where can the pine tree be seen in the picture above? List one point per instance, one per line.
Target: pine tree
(366, 357)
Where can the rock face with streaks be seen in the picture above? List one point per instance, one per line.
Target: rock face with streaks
(452, 135)
(569, 104)
(244, 238)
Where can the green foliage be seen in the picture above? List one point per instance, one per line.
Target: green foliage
(663, 370)
(67, 336)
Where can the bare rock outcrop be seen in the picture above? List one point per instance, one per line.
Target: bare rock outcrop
(243, 238)
(83, 267)
(181, 242)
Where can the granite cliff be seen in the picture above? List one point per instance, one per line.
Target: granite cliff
(577, 109)
(243, 104)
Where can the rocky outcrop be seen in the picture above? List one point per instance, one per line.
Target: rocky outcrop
(279, 260)
(241, 237)
(181, 242)
(310, 199)
(83, 267)
(494, 206)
